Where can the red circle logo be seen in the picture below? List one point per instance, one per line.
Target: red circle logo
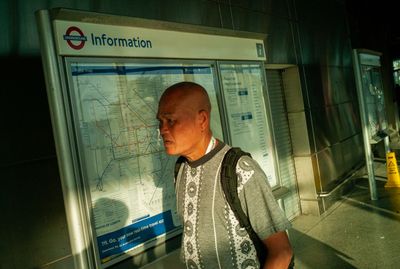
(75, 38)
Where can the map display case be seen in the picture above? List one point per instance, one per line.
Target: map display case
(104, 77)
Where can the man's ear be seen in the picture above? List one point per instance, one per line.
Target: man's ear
(204, 119)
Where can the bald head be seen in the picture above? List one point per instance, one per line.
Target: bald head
(190, 93)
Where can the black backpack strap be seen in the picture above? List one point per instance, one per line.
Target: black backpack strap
(178, 164)
(229, 186)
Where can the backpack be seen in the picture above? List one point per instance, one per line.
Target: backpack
(229, 186)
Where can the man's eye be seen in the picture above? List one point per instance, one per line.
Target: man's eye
(170, 122)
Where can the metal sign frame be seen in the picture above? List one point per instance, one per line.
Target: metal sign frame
(371, 134)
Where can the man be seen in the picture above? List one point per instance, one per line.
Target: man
(211, 236)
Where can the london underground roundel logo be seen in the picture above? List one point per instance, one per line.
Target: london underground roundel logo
(75, 37)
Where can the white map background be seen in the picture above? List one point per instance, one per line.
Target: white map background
(122, 157)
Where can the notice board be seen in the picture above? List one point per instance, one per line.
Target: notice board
(104, 77)
(372, 94)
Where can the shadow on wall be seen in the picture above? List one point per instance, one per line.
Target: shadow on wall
(115, 234)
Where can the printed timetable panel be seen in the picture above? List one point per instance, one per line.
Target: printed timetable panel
(247, 114)
(125, 168)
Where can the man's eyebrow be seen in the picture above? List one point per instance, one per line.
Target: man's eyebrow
(165, 114)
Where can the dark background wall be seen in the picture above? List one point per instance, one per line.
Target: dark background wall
(316, 35)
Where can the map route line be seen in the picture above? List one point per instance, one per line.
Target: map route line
(142, 99)
(161, 178)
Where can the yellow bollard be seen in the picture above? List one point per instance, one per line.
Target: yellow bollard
(393, 179)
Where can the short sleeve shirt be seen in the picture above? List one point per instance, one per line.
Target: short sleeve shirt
(212, 237)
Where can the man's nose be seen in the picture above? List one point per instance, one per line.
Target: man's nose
(163, 128)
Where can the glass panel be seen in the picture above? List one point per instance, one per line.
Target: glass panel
(247, 115)
(128, 176)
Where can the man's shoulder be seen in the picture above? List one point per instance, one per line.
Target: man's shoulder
(238, 158)
(247, 163)
(248, 168)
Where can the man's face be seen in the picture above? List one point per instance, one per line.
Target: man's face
(179, 126)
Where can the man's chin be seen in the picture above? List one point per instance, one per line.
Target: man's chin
(171, 151)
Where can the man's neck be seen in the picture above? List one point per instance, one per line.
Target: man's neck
(202, 149)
